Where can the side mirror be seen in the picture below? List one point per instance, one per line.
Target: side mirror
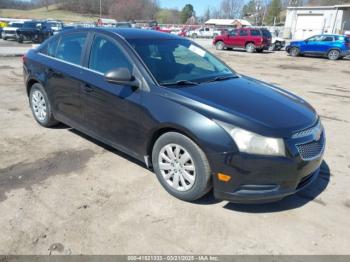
(121, 76)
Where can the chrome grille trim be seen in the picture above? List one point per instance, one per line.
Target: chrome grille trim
(309, 131)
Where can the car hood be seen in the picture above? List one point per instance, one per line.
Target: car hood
(250, 104)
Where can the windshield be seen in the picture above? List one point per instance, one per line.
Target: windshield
(174, 60)
(17, 25)
(30, 25)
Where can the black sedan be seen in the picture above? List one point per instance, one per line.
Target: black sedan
(170, 103)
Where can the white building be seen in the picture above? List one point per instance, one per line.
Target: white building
(306, 21)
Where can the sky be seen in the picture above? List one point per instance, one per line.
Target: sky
(200, 6)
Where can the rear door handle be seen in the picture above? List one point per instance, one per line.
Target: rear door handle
(87, 88)
(54, 72)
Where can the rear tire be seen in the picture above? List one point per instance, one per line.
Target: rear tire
(333, 55)
(294, 51)
(181, 166)
(250, 47)
(41, 107)
(220, 45)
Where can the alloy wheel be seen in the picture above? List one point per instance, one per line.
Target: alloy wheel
(333, 55)
(39, 105)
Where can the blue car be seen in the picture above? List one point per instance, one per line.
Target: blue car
(332, 46)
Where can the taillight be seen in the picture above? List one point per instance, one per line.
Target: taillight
(24, 58)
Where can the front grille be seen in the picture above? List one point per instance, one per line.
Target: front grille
(312, 149)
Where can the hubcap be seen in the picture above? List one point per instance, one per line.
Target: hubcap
(177, 167)
(39, 105)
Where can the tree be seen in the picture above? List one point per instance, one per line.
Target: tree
(273, 12)
(250, 8)
(231, 8)
(168, 16)
(186, 13)
(206, 16)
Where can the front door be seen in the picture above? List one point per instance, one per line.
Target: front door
(111, 111)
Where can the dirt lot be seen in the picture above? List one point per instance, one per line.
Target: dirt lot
(63, 193)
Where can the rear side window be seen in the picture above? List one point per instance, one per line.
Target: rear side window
(255, 32)
(328, 39)
(243, 33)
(106, 55)
(71, 47)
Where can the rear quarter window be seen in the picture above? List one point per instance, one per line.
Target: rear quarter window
(50, 47)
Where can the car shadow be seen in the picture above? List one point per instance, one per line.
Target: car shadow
(265, 52)
(297, 200)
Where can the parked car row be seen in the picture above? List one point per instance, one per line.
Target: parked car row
(333, 47)
(35, 31)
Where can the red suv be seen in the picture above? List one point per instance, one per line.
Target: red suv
(252, 39)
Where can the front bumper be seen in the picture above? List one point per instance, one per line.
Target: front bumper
(261, 179)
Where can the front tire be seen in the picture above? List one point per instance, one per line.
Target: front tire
(333, 55)
(41, 107)
(220, 45)
(181, 166)
(294, 51)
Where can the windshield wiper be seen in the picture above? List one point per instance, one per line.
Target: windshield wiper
(180, 83)
(221, 78)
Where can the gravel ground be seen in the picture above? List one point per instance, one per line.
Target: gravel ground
(64, 193)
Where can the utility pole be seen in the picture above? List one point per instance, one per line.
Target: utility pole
(100, 8)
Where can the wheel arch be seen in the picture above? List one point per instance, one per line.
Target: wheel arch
(30, 83)
(161, 130)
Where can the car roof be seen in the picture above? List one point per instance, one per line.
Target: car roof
(129, 33)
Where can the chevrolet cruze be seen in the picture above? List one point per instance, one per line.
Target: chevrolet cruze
(168, 102)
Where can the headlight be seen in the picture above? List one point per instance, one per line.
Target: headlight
(252, 143)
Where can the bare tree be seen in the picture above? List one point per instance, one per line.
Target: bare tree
(231, 8)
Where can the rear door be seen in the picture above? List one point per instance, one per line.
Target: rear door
(64, 75)
(111, 111)
(243, 36)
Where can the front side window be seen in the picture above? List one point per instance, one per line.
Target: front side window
(106, 55)
(315, 38)
(233, 32)
(173, 60)
(70, 47)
